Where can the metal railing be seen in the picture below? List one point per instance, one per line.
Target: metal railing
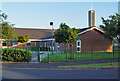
(84, 55)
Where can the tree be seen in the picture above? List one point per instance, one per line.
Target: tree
(23, 38)
(7, 29)
(65, 34)
(3, 16)
(77, 30)
(111, 26)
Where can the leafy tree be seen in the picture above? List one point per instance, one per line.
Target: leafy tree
(3, 16)
(65, 35)
(111, 26)
(8, 32)
(77, 30)
(7, 29)
(23, 38)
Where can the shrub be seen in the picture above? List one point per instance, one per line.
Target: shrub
(23, 38)
(41, 48)
(16, 55)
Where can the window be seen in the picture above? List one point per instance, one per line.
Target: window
(44, 44)
(14, 43)
(28, 44)
(41, 44)
(53, 43)
(58, 47)
(4, 43)
(78, 45)
(78, 49)
(48, 44)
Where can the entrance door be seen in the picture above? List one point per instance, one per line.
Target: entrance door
(78, 44)
(57, 46)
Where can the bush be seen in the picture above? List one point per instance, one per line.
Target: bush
(16, 55)
(41, 48)
(23, 38)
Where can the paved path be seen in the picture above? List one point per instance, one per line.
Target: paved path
(35, 56)
(54, 65)
(43, 54)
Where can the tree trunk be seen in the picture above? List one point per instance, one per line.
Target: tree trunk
(70, 52)
(8, 42)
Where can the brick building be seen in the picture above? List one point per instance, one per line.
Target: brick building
(90, 38)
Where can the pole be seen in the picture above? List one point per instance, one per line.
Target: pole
(39, 55)
(92, 53)
(52, 39)
(27, 55)
(51, 24)
(113, 51)
(48, 54)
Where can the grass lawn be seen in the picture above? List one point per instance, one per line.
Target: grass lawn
(111, 64)
(81, 56)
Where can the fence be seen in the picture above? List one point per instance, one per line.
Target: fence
(60, 56)
(85, 55)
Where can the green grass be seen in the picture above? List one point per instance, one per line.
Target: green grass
(82, 56)
(111, 64)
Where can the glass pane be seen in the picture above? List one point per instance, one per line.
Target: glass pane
(78, 49)
(28, 44)
(41, 44)
(78, 43)
(14, 43)
(4, 44)
(48, 44)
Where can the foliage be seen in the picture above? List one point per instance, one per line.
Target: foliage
(65, 34)
(111, 26)
(8, 32)
(16, 55)
(3, 16)
(77, 30)
(23, 38)
(41, 48)
(7, 28)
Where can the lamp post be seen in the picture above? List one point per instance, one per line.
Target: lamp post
(51, 24)
(118, 39)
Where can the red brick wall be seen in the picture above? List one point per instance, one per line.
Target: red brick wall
(92, 40)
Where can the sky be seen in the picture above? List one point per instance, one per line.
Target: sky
(40, 14)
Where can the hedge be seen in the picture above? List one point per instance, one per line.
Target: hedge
(16, 55)
(23, 38)
(41, 48)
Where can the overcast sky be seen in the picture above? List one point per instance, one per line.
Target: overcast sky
(39, 14)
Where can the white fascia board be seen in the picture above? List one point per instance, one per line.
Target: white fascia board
(6, 39)
(40, 39)
(91, 29)
(2, 39)
(33, 40)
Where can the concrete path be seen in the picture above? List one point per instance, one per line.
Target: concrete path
(43, 54)
(54, 65)
(35, 56)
